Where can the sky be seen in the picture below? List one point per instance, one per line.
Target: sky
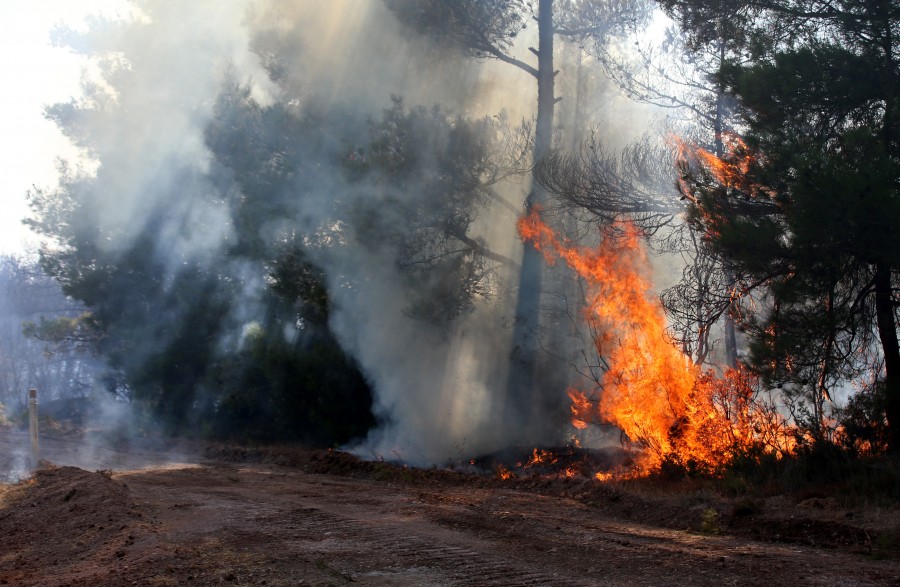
(35, 74)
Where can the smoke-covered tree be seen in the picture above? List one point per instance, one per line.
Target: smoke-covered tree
(170, 257)
(407, 189)
(436, 173)
(160, 335)
(170, 332)
(487, 29)
(204, 280)
(414, 182)
(811, 211)
(32, 301)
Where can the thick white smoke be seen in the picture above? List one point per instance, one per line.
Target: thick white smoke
(147, 112)
(438, 393)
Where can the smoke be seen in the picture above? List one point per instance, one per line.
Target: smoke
(72, 394)
(144, 118)
(433, 391)
(154, 182)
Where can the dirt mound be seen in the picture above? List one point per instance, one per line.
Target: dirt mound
(61, 515)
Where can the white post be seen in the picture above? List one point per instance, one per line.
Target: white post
(33, 427)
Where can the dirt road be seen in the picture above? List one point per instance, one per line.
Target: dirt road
(220, 523)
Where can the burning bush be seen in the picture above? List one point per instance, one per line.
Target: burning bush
(651, 391)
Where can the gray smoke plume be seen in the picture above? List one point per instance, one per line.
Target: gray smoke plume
(435, 391)
(142, 122)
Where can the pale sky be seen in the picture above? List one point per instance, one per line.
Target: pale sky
(34, 75)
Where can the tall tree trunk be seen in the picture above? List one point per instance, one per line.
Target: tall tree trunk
(887, 333)
(522, 384)
(884, 303)
(719, 128)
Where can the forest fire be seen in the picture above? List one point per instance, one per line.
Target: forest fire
(727, 173)
(651, 391)
(541, 457)
(731, 169)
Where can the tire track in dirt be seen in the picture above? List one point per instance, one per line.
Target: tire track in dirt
(415, 546)
(476, 537)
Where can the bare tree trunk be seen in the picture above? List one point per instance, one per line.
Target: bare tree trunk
(719, 128)
(522, 386)
(884, 302)
(887, 332)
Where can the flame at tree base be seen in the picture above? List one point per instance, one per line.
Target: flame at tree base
(652, 391)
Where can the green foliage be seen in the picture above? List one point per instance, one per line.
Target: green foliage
(886, 545)
(810, 224)
(746, 507)
(425, 177)
(824, 467)
(274, 390)
(863, 421)
(295, 281)
(80, 333)
(481, 27)
(488, 28)
(709, 522)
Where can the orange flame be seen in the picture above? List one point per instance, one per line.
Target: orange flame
(541, 457)
(651, 391)
(728, 173)
(730, 170)
(581, 409)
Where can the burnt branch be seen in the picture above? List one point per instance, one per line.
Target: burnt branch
(637, 185)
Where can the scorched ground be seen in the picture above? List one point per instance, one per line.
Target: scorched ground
(322, 518)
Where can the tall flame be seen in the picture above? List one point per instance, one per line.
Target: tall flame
(651, 391)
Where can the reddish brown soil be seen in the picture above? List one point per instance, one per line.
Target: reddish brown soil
(324, 518)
